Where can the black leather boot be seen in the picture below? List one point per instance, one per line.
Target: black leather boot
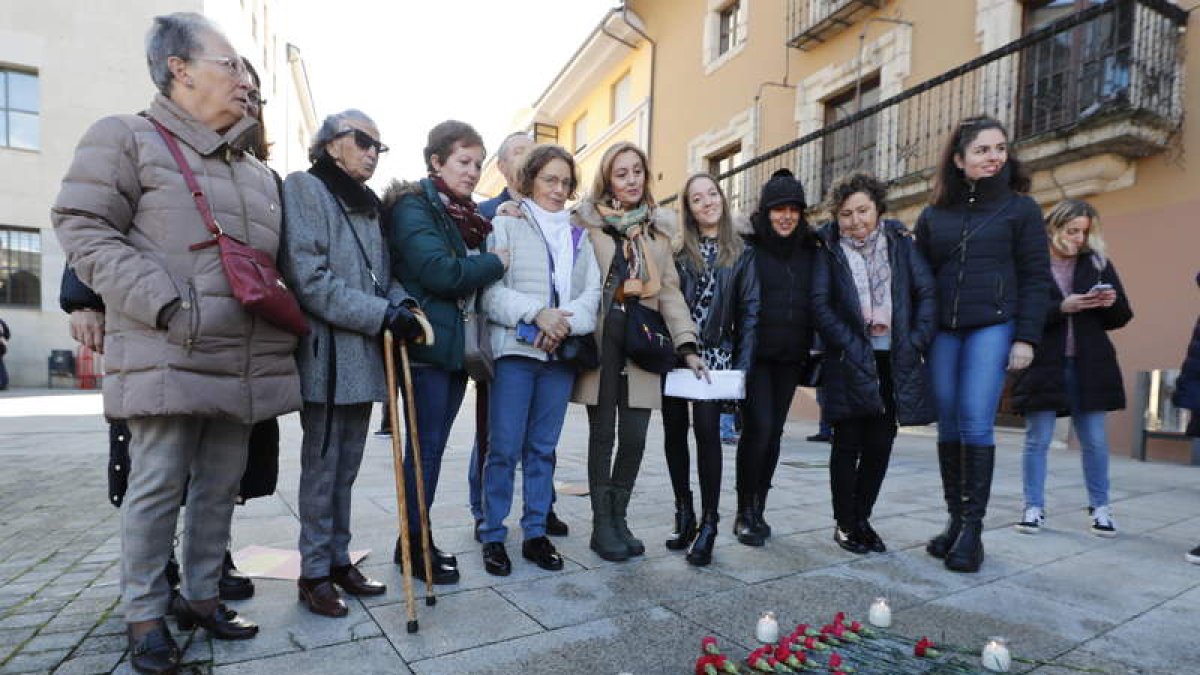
(700, 554)
(234, 585)
(744, 524)
(685, 524)
(950, 462)
(760, 507)
(606, 542)
(966, 555)
(620, 500)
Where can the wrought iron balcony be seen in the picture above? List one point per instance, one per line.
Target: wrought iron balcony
(1104, 80)
(812, 22)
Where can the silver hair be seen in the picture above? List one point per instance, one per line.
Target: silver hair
(506, 145)
(331, 127)
(170, 35)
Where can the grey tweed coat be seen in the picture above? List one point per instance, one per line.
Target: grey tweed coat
(326, 269)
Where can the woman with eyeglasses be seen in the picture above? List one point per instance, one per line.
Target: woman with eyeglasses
(549, 293)
(873, 299)
(718, 280)
(187, 366)
(631, 236)
(336, 260)
(439, 252)
(985, 242)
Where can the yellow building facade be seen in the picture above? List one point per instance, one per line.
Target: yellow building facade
(1093, 92)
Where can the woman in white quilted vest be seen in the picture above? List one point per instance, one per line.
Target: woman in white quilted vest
(540, 314)
(185, 364)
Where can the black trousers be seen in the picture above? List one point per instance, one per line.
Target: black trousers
(611, 420)
(862, 447)
(770, 386)
(706, 425)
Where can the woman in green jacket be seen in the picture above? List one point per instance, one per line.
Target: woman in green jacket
(436, 236)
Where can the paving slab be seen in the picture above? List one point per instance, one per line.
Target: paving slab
(373, 656)
(461, 621)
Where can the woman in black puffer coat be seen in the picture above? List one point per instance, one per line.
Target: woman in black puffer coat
(719, 282)
(1075, 371)
(875, 307)
(784, 251)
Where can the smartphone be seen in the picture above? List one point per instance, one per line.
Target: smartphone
(527, 332)
(1100, 288)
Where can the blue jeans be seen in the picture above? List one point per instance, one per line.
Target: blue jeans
(967, 369)
(1093, 442)
(475, 468)
(437, 396)
(528, 406)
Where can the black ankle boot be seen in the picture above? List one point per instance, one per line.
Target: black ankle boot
(700, 554)
(234, 585)
(966, 555)
(950, 463)
(744, 524)
(685, 524)
(760, 507)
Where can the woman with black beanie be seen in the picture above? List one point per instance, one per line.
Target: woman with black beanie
(784, 251)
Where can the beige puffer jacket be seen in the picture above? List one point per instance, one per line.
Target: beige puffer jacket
(126, 218)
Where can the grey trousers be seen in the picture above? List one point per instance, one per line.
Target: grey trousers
(326, 483)
(163, 453)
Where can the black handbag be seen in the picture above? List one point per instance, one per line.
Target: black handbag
(580, 351)
(647, 341)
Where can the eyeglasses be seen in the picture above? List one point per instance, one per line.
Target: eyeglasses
(554, 181)
(363, 140)
(233, 64)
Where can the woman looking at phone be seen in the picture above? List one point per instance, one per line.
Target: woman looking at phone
(1075, 370)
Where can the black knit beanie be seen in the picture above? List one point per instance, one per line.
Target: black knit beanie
(780, 190)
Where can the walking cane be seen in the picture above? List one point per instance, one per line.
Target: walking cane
(426, 537)
(398, 466)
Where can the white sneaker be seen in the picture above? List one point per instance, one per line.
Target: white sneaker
(1103, 524)
(1033, 520)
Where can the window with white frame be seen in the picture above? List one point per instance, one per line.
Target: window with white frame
(579, 135)
(20, 267)
(622, 98)
(729, 27)
(722, 161)
(19, 108)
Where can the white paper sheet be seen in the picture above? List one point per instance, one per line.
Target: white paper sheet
(726, 385)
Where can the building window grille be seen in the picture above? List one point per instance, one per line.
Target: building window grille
(19, 109)
(20, 267)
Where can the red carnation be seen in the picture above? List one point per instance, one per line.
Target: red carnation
(924, 648)
(856, 626)
(725, 664)
(709, 645)
(835, 660)
(814, 643)
(758, 660)
(839, 618)
(705, 665)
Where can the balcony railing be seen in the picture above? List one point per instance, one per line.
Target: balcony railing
(811, 22)
(1107, 79)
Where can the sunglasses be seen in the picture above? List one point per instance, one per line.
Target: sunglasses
(363, 140)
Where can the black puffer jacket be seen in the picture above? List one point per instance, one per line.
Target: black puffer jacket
(990, 258)
(733, 318)
(850, 379)
(1042, 386)
(785, 322)
(1187, 387)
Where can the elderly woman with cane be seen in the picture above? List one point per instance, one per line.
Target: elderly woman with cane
(335, 259)
(187, 364)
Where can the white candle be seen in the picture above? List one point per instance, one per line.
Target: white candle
(996, 657)
(767, 629)
(880, 613)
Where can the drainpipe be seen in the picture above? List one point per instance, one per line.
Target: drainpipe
(653, 67)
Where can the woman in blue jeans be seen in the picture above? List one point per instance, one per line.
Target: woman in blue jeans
(550, 291)
(1075, 371)
(438, 252)
(986, 245)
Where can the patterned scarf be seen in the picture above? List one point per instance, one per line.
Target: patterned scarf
(872, 272)
(632, 225)
(473, 227)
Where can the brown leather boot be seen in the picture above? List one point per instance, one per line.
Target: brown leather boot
(321, 597)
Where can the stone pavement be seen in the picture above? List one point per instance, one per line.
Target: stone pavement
(1063, 598)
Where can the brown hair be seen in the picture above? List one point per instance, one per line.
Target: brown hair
(949, 183)
(602, 185)
(536, 159)
(848, 186)
(729, 244)
(446, 137)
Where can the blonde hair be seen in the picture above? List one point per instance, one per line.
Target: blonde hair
(729, 244)
(602, 185)
(1068, 210)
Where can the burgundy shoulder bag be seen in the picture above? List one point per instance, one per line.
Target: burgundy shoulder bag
(252, 275)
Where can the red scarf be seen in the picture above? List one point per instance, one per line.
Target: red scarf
(473, 227)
